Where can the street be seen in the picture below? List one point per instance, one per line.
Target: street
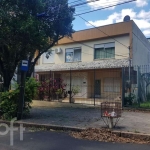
(53, 140)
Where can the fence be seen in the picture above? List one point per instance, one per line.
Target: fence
(128, 85)
(91, 86)
(136, 86)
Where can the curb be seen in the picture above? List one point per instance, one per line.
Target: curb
(124, 134)
(46, 126)
(141, 136)
(135, 109)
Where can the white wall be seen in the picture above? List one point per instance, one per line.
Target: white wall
(141, 47)
(80, 80)
(87, 53)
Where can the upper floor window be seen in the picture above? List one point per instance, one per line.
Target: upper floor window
(102, 51)
(48, 58)
(73, 54)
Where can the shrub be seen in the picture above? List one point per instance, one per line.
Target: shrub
(129, 99)
(51, 88)
(9, 101)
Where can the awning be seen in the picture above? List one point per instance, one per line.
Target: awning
(97, 64)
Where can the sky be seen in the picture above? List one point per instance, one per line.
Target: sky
(139, 11)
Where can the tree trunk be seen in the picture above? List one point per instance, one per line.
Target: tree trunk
(7, 80)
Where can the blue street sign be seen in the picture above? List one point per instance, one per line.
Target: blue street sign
(24, 65)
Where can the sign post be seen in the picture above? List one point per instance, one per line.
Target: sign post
(24, 69)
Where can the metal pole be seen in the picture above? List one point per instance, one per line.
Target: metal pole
(21, 99)
(94, 86)
(129, 72)
(123, 86)
(129, 65)
(70, 87)
(49, 84)
(138, 83)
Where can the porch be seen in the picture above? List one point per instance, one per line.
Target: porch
(94, 85)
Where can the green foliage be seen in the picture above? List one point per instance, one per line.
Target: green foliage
(59, 91)
(9, 100)
(9, 104)
(22, 32)
(75, 90)
(129, 99)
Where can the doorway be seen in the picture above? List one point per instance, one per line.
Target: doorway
(97, 88)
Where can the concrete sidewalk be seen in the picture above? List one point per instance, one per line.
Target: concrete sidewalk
(84, 116)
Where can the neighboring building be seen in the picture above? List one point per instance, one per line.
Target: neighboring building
(96, 57)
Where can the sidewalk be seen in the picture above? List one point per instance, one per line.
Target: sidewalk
(84, 116)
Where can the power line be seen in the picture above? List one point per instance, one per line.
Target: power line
(103, 32)
(102, 4)
(75, 1)
(83, 3)
(105, 7)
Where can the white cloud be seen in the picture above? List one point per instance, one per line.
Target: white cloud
(141, 3)
(142, 24)
(147, 33)
(143, 14)
(142, 19)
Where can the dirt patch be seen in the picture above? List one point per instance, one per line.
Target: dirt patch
(107, 135)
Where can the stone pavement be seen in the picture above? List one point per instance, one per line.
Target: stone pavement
(77, 115)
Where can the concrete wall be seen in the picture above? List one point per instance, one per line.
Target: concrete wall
(141, 47)
(87, 53)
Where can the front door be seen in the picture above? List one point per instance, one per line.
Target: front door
(97, 88)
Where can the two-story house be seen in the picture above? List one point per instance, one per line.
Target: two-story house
(93, 59)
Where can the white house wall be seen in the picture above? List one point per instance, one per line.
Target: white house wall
(80, 80)
(141, 47)
(87, 53)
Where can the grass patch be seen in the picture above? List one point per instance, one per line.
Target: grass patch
(145, 104)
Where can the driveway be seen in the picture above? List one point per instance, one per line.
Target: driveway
(85, 116)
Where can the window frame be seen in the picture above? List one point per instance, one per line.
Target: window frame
(74, 48)
(104, 50)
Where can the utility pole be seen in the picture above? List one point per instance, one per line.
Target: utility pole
(70, 87)
(129, 64)
(24, 69)
(94, 86)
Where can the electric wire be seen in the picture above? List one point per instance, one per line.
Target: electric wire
(105, 7)
(103, 31)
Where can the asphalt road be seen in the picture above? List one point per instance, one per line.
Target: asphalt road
(51, 140)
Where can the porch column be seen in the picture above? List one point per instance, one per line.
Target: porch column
(70, 86)
(94, 86)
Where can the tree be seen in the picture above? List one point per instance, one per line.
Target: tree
(27, 26)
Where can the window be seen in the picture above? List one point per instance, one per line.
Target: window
(48, 58)
(111, 85)
(104, 51)
(73, 54)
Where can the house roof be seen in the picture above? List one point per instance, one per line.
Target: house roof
(101, 32)
(101, 64)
